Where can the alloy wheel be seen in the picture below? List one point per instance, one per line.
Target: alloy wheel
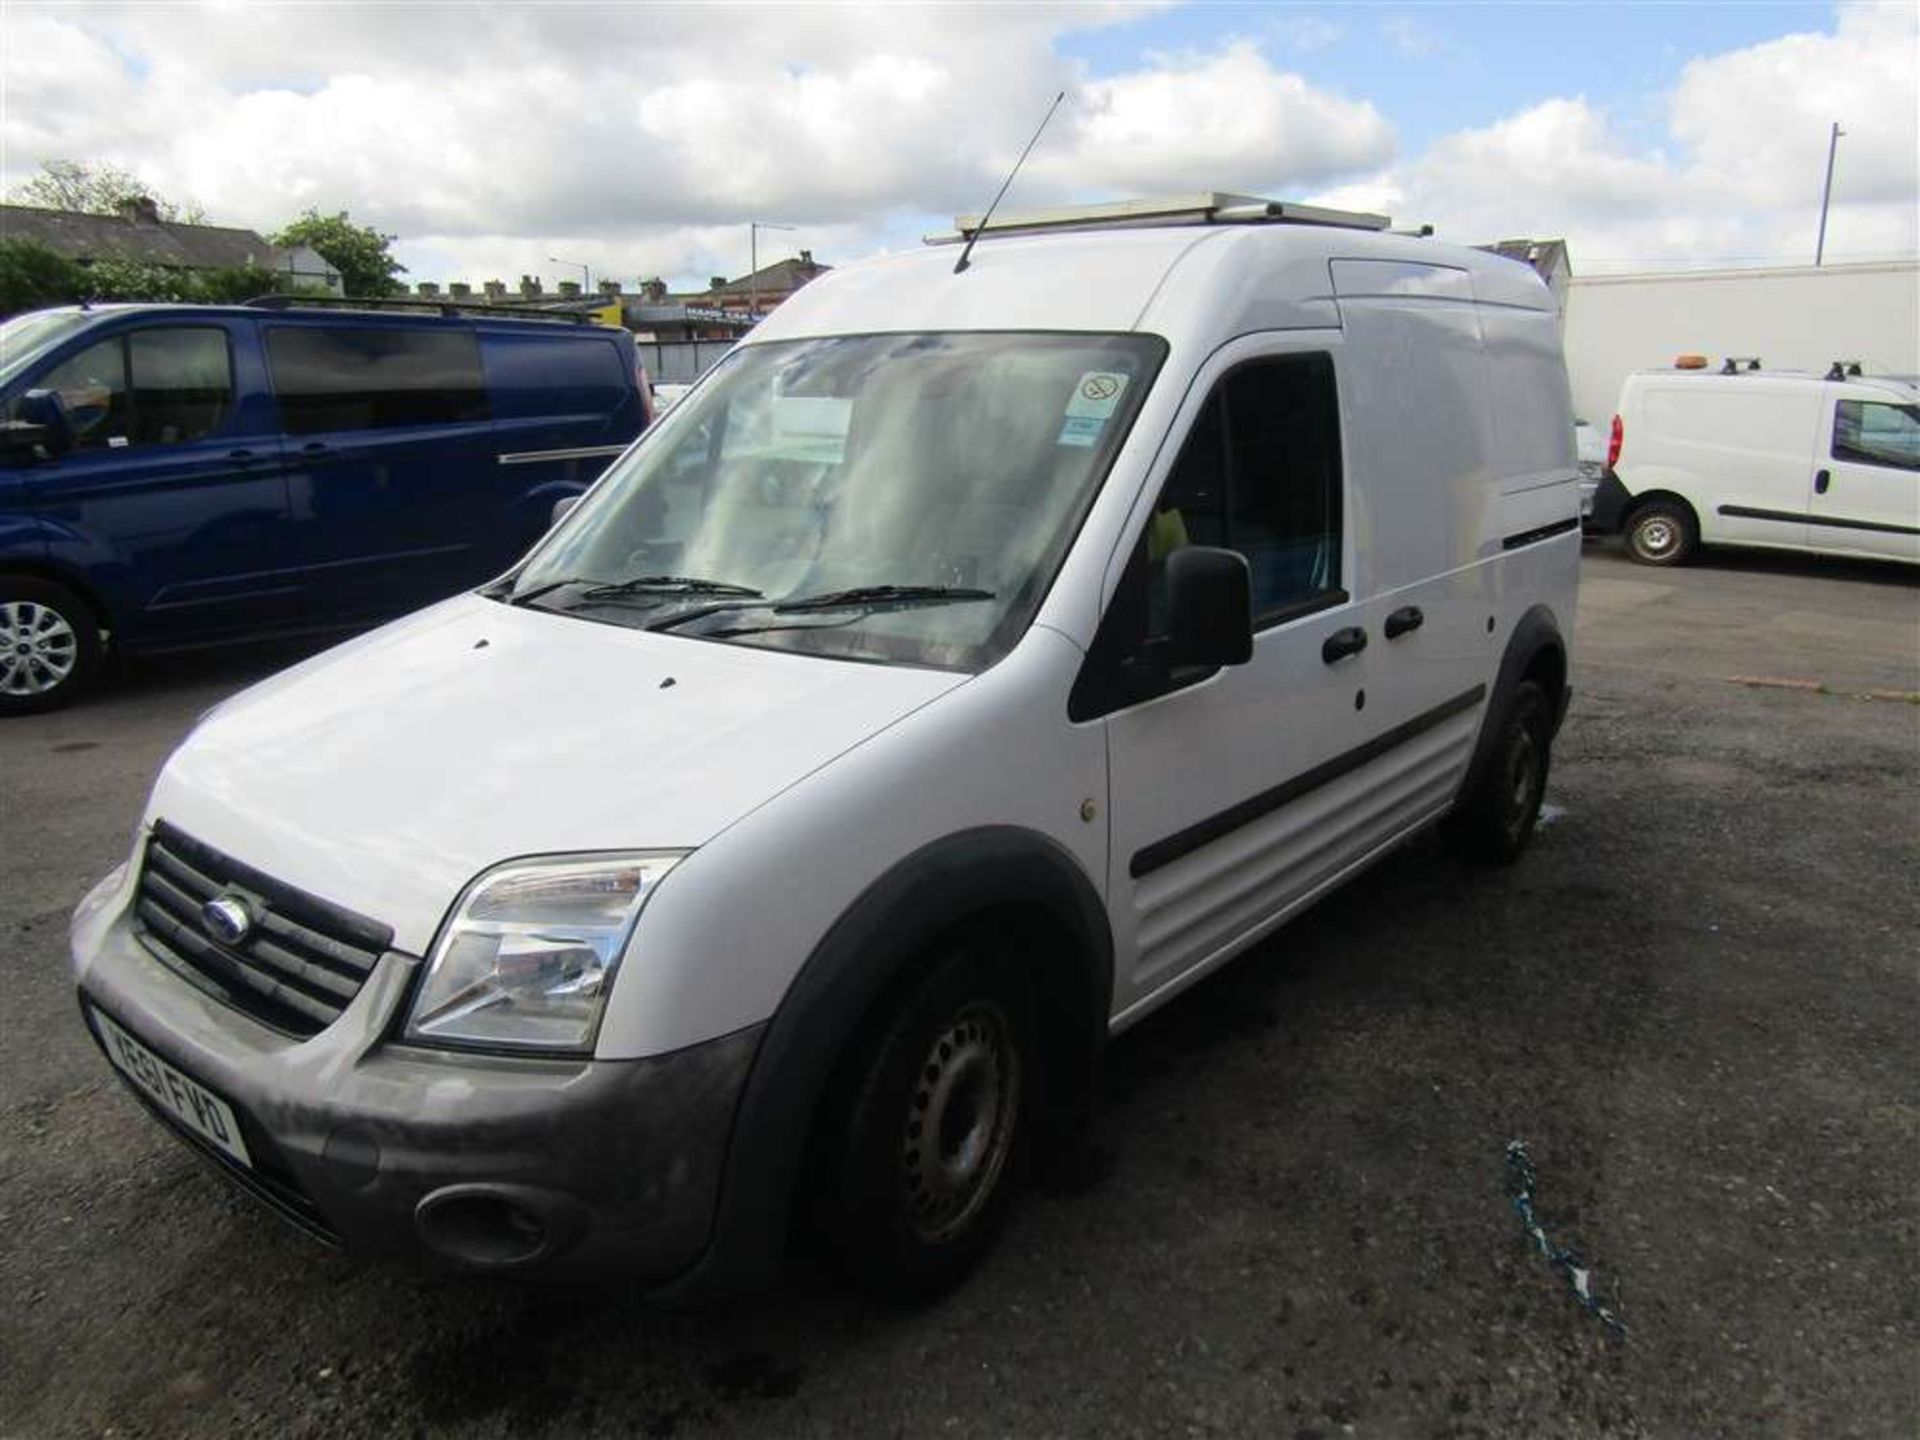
(38, 648)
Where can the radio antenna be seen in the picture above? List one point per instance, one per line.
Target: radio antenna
(967, 250)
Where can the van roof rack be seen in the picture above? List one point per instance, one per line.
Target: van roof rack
(1208, 207)
(448, 309)
(1844, 370)
(1735, 364)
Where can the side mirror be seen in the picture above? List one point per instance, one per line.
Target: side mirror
(1209, 607)
(561, 508)
(45, 409)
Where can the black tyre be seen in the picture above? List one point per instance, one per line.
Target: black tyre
(1495, 820)
(49, 645)
(1662, 533)
(929, 1147)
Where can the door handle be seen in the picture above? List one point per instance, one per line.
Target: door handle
(1822, 479)
(1342, 643)
(1406, 618)
(241, 456)
(315, 447)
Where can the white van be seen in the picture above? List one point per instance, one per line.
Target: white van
(968, 665)
(1779, 459)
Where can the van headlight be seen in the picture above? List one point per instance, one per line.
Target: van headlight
(528, 955)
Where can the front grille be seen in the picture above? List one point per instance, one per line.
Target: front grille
(301, 965)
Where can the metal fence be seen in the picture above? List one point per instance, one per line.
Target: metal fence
(680, 362)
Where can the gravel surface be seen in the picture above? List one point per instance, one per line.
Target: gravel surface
(1695, 1000)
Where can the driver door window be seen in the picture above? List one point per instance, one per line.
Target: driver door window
(1259, 473)
(181, 390)
(92, 386)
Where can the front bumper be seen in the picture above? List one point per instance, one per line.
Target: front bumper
(562, 1167)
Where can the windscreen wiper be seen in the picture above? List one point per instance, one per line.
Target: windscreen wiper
(878, 596)
(665, 586)
(672, 584)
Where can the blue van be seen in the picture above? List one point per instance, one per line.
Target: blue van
(175, 476)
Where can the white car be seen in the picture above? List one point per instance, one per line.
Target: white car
(1590, 454)
(979, 658)
(1781, 460)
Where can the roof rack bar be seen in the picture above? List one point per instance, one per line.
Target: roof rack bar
(448, 309)
(1205, 208)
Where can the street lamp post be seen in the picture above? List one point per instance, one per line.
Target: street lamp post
(754, 227)
(586, 275)
(1826, 193)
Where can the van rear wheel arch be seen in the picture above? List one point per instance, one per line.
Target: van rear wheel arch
(994, 881)
(1536, 653)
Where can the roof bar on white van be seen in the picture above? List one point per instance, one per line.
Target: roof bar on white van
(1206, 208)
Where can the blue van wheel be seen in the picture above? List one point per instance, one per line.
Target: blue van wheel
(49, 645)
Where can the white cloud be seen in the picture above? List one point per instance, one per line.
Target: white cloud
(642, 139)
(1227, 121)
(1739, 182)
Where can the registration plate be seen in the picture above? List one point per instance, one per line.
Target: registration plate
(181, 1096)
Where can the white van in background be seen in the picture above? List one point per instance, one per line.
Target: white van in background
(980, 655)
(1779, 459)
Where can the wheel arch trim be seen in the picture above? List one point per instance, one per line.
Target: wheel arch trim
(924, 896)
(1536, 642)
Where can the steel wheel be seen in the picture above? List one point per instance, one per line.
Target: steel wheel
(1495, 818)
(1661, 534)
(960, 1122)
(39, 649)
(920, 1159)
(1524, 782)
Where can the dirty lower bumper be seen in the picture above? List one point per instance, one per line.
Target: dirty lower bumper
(565, 1168)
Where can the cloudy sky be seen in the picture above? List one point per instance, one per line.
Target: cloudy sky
(642, 139)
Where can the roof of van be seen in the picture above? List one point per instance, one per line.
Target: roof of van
(1895, 387)
(1229, 279)
(430, 311)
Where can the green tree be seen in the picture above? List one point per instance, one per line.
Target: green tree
(358, 252)
(31, 276)
(95, 189)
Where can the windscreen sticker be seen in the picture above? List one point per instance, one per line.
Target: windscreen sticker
(1097, 395)
(1081, 430)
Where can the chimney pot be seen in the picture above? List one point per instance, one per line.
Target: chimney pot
(428, 288)
(140, 209)
(495, 289)
(460, 290)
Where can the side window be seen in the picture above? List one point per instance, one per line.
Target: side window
(182, 384)
(1874, 434)
(93, 387)
(181, 388)
(1260, 474)
(372, 378)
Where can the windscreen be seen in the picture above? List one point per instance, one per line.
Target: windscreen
(891, 498)
(25, 338)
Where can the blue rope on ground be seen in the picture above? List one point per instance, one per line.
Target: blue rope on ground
(1521, 1180)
